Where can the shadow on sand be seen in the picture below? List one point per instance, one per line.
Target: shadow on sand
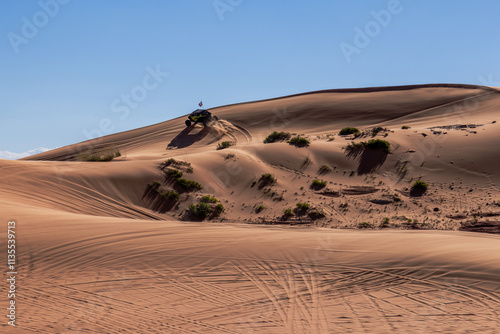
(185, 138)
(369, 159)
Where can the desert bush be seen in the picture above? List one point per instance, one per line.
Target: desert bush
(375, 144)
(364, 225)
(385, 223)
(323, 169)
(377, 129)
(315, 214)
(99, 155)
(170, 194)
(299, 141)
(303, 206)
(188, 184)
(287, 213)
(348, 131)
(318, 184)
(201, 210)
(267, 179)
(277, 136)
(219, 208)
(405, 127)
(259, 208)
(209, 199)
(174, 162)
(173, 173)
(229, 156)
(154, 185)
(419, 186)
(224, 144)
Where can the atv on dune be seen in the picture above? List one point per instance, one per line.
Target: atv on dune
(201, 116)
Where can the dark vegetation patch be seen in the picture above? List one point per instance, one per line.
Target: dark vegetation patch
(277, 136)
(299, 141)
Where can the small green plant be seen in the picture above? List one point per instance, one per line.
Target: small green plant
(287, 213)
(348, 131)
(224, 144)
(364, 225)
(201, 210)
(188, 184)
(259, 208)
(173, 173)
(404, 127)
(318, 184)
(299, 141)
(277, 136)
(385, 222)
(323, 169)
(209, 199)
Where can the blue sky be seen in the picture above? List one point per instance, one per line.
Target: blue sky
(74, 69)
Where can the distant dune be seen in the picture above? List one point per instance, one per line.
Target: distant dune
(123, 245)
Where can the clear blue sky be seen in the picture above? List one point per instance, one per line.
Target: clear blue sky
(81, 60)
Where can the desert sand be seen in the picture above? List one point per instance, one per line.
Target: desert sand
(97, 254)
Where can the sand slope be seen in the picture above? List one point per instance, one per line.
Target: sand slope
(94, 256)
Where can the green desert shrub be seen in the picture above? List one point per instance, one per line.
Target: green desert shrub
(209, 199)
(315, 214)
(259, 208)
(170, 194)
(154, 185)
(323, 169)
(277, 136)
(177, 163)
(287, 213)
(188, 184)
(173, 173)
(364, 225)
(299, 141)
(348, 131)
(201, 210)
(318, 184)
(375, 144)
(419, 186)
(267, 179)
(303, 206)
(224, 144)
(405, 127)
(219, 208)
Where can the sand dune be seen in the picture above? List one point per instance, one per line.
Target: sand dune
(97, 255)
